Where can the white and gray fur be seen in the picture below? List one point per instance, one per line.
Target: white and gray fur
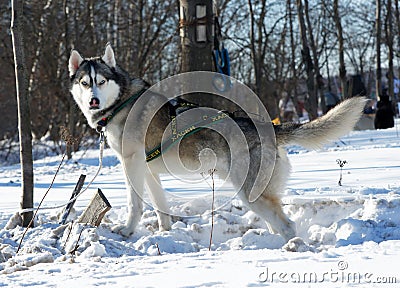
(103, 79)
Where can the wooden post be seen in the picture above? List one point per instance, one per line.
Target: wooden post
(76, 191)
(96, 209)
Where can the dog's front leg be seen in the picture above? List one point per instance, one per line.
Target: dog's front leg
(134, 168)
(157, 195)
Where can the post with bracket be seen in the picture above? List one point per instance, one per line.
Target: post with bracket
(197, 34)
(198, 22)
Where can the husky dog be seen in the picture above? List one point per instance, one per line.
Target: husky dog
(101, 89)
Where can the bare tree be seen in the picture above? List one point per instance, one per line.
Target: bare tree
(311, 103)
(397, 17)
(389, 42)
(313, 44)
(378, 48)
(58, 26)
(266, 49)
(269, 61)
(342, 65)
(25, 136)
(360, 37)
(293, 68)
(257, 45)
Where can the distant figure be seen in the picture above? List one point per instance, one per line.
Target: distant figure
(331, 100)
(384, 117)
(396, 88)
(287, 109)
(369, 109)
(357, 86)
(366, 121)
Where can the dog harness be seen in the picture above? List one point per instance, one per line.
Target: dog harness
(177, 135)
(104, 121)
(177, 106)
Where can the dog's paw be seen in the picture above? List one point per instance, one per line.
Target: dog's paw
(164, 223)
(297, 244)
(164, 227)
(123, 230)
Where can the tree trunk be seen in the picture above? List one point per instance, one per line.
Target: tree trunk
(265, 87)
(378, 49)
(325, 36)
(256, 44)
(72, 115)
(396, 4)
(39, 45)
(196, 46)
(117, 9)
(196, 23)
(92, 22)
(342, 65)
(311, 103)
(299, 109)
(389, 43)
(24, 124)
(254, 55)
(317, 82)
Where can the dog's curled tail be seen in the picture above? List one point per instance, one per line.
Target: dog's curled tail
(337, 122)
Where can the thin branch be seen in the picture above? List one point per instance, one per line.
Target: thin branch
(69, 140)
(40, 204)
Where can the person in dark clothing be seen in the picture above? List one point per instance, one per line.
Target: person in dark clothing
(369, 108)
(357, 86)
(384, 117)
(331, 100)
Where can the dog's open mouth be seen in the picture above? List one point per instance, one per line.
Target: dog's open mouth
(94, 103)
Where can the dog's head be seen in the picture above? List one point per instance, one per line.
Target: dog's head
(95, 83)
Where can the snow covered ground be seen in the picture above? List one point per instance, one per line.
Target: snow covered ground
(349, 235)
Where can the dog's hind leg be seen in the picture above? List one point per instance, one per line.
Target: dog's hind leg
(269, 208)
(157, 196)
(268, 204)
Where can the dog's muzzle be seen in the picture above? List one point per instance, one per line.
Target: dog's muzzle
(94, 103)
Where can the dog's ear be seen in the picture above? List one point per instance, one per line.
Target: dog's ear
(108, 56)
(75, 61)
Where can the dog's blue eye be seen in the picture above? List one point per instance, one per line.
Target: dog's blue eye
(84, 83)
(102, 82)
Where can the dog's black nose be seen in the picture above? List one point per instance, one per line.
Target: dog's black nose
(94, 103)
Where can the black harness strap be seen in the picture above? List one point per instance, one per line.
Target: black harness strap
(104, 121)
(177, 106)
(207, 120)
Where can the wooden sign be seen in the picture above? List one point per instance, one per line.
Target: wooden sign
(96, 210)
